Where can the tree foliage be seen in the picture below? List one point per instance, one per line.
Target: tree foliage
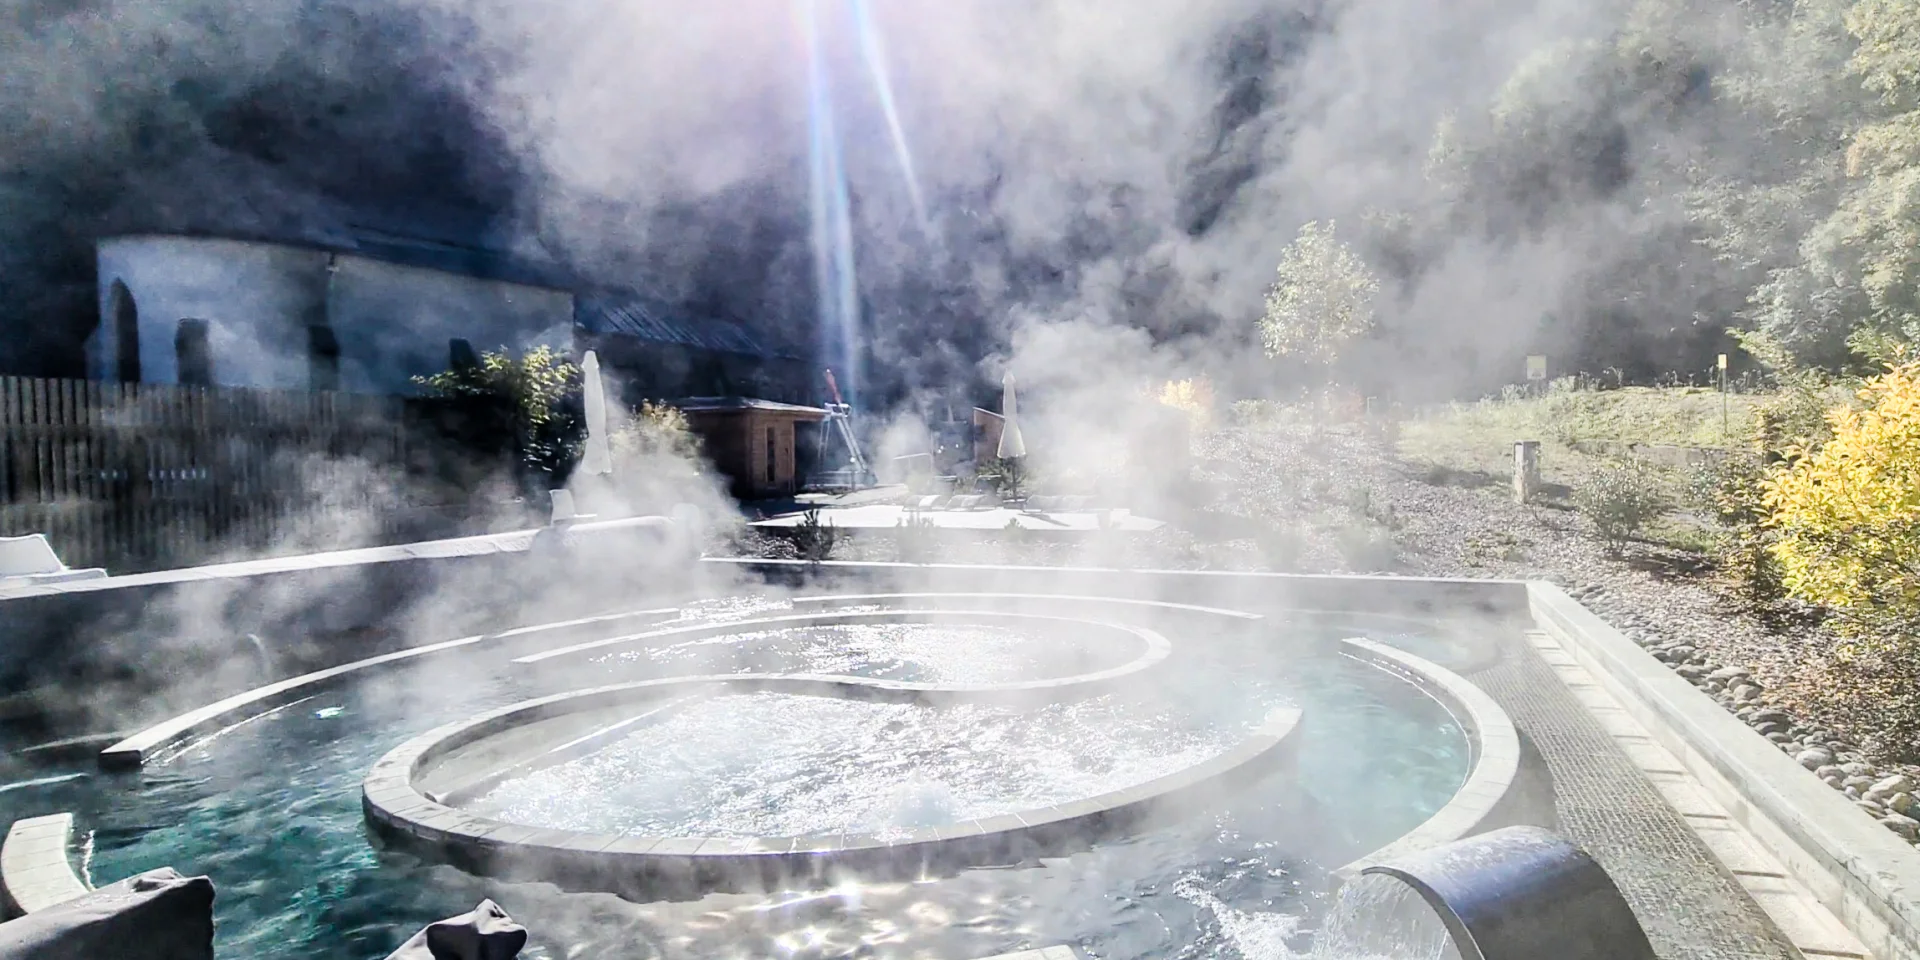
(539, 383)
(1323, 298)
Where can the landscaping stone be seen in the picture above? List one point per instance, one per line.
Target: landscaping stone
(1856, 769)
(1815, 759)
(1901, 803)
(1907, 827)
(1890, 786)
(1857, 783)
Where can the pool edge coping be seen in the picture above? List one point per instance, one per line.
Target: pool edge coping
(1868, 878)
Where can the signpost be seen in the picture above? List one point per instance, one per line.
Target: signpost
(1537, 367)
(1726, 431)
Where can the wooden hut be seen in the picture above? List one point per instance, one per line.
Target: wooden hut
(751, 442)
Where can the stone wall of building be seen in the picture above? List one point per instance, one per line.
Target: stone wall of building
(260, 302)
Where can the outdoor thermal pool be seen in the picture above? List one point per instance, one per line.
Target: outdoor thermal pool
(271, 807)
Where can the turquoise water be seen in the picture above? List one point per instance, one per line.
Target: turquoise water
(270, 809)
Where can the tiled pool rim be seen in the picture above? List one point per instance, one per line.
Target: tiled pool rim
(1862, 873)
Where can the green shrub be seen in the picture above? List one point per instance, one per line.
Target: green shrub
(1620, 499)
(1251, 412)
(813, 539)
(913, 538)
(548, 432)
(1492, 546)
(1731, 492)
(655, 430)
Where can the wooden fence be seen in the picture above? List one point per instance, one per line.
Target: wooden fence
(144, 476)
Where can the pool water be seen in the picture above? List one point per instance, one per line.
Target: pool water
(785, 765)
(270, 808)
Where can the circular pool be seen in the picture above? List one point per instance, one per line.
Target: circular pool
(269, 803)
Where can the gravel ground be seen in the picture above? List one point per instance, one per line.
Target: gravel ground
(1334, 500)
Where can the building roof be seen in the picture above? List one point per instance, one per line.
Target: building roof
(227, 195)
(742, 404)
(649, 318)
(471, 261)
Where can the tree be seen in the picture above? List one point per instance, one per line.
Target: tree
(1852, 215)
(538, 384)
(1322, 300)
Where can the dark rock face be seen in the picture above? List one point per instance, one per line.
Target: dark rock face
(157, 915)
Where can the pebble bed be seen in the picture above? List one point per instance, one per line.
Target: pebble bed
(1350, 507)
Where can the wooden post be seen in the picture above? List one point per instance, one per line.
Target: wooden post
(1526, 470)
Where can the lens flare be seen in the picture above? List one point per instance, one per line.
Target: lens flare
(874, 53)
(835, 283)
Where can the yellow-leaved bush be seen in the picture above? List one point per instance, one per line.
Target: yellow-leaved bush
(1192, 397)
(1847, 515)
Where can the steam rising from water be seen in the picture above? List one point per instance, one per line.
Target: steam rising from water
(780, 765)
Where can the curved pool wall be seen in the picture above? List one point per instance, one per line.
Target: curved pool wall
(134, 750)
(680, 866)
(111, 639)
(1487, 799)
(400, 805)
(35, 869)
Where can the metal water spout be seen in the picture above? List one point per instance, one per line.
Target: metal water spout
(1522, 893)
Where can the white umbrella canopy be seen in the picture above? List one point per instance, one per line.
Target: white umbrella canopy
(1012, 444)
(597, 458)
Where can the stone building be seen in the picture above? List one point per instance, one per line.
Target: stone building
(368, 318)
(226, 273)
(372, 316)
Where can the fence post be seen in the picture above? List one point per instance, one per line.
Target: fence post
(1526, 470)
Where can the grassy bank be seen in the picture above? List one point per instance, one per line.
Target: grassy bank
(1479, 436)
